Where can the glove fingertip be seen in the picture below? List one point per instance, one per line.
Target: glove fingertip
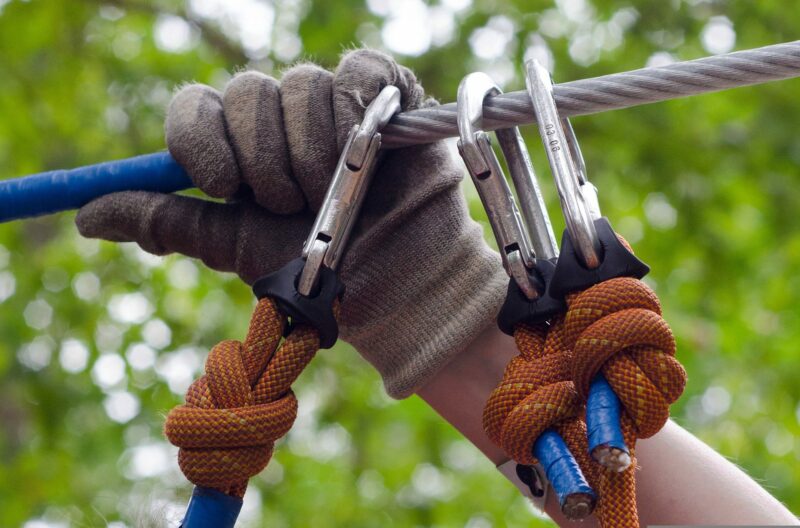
(196, 137)
(360, 76)
(252, 107)
(87, 219)
(373, 69)
(311, 134)
(115, 217)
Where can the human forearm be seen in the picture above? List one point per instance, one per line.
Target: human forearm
(459, 391)
(681, 480)
(684, 481)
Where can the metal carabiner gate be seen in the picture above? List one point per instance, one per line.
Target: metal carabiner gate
(577, 194)
(328, 237)
(516, 246)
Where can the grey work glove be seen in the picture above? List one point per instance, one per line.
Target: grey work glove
(420, 281)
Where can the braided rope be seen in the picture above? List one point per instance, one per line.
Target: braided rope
(536, 393)
(608, 92)
(235, 412)
(614, 327)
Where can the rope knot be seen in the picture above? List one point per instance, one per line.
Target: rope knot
(536, 393)
(233, 414)
(616, 328)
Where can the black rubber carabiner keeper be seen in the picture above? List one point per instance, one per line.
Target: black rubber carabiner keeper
(316, 311)
(617, 261)
(530, 477)
(517, 308)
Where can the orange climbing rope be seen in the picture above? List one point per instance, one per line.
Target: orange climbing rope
(536, 393)
(235, 412)
(616, 328)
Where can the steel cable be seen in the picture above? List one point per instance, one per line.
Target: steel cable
(608, 92)
(60, 190)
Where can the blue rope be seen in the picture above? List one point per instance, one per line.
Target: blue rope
(602, 416)
(60, 190)
(560, 466)
(209, 508)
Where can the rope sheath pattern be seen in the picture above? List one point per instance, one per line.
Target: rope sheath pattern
(608, 92)
(235, 412)
(614, 327)
(535, 393)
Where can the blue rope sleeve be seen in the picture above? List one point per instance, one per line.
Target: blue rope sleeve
(602, 416)
(60, 190)
(561, 468)
(209, 508)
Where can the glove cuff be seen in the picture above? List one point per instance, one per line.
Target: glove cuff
(454, 293)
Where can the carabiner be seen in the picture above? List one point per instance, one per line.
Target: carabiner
(516, 248)
(331, 230)
(578, 196)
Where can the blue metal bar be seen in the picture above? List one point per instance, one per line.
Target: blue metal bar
(560, 466)
(602, 416)
(209, 508)
(60, 190)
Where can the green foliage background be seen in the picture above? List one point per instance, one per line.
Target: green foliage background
(707, 189)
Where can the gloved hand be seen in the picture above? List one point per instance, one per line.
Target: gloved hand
(420, 281)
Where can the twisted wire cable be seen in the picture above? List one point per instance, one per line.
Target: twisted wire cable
(608, 92)
(60, 190)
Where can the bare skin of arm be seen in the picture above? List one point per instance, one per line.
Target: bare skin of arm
(703, 489)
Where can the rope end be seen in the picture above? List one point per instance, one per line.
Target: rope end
(612, 458)
(578, 506)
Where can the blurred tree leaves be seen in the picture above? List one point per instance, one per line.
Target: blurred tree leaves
(706, 189)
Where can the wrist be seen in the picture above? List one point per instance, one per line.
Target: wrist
(427, 312)
(458, 392)
(421, 283)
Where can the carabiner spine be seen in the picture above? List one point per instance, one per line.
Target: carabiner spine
(501, 209)
(531, 201)
(568, 174)
(337, 216)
